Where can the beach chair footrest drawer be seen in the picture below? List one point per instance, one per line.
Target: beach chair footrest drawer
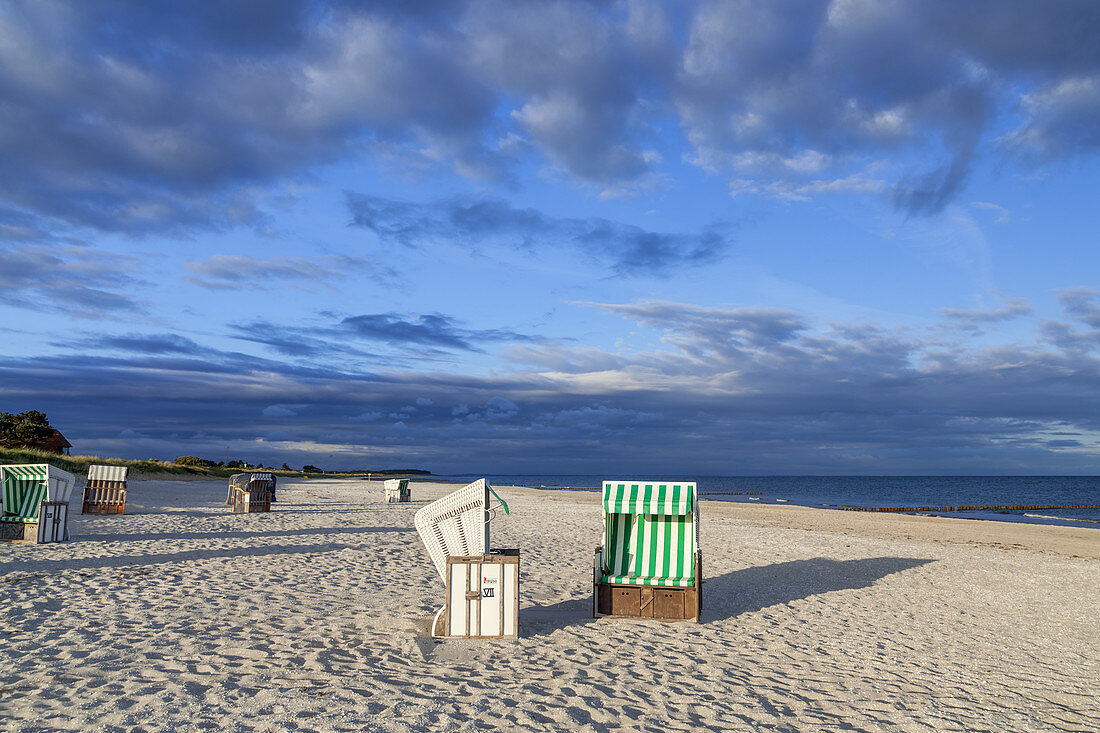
(18, 530)
(647, 601)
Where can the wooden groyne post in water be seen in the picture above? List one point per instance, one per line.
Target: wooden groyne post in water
(1001, 507)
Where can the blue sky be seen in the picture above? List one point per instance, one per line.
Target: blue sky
(717, 238)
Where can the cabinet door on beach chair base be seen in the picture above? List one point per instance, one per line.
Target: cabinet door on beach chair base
(482, 597)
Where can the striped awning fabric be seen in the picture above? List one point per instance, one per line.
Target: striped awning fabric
(650, 550)
(24, 473)
(107, 473)
(648, 497)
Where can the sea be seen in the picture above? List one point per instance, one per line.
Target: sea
(832, 492)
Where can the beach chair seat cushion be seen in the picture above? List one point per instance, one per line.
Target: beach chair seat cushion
(641, 580)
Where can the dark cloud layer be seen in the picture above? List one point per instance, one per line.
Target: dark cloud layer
(737, 390)
(629, 250)
(79, 281)
(382, 337)
(160, 116)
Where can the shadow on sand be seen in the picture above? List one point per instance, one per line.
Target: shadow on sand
(135, 536)
(743, 591)
(120, 561)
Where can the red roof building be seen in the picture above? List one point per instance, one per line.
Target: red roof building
(57, 444)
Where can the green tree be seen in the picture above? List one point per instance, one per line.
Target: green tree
(193, 461)
(28, 429)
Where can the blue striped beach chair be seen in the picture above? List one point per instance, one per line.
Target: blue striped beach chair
(649, 565)
(35, 503)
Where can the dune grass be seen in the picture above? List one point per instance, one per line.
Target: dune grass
(79, 464)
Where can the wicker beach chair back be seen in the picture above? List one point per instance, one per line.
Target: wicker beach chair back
(458, 523)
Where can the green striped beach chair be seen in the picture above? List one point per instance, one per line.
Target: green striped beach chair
(35, 503)
(649, 564)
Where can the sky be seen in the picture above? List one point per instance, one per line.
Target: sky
(707, 238)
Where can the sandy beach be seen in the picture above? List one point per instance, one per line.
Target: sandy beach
(182, 616)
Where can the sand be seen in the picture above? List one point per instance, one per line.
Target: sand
(183, 616)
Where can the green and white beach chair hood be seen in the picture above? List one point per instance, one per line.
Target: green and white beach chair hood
(24, 490)
(650, 541)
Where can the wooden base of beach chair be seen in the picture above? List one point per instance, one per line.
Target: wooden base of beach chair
(247, 502)
(482, 597)
(52, 525)
(650, 601)
(647, 601)
(18, 531)
(103, 500)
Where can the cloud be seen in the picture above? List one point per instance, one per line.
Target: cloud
(433, 330)
(156, 117)
(1081, 306)
(627, 249)
(252, 273)
(974, 320)
(853, 81)
(159, 343)
(430, 335)
(81, 281)
(712, 329)
(739, 389)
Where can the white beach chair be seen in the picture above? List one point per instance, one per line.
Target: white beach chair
(105, 490)
(397, 490)
(455, 530)
(35, 503)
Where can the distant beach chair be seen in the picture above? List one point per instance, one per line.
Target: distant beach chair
(482, 584)
(397, 490)
(105, 490)
(251, 492)
(35, 503)
(650, 564)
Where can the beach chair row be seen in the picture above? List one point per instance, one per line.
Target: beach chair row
(34, 499)
(648, 564)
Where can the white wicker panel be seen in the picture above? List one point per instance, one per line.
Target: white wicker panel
(455, 524)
